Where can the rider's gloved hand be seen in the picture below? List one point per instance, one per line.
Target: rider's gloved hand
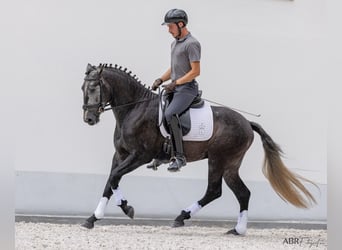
(157, 83)
(171, 86)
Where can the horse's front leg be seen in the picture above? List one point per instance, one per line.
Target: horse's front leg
(119, 168)
(100, 209)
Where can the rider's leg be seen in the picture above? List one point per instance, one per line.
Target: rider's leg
(178, 159)
(180, 102)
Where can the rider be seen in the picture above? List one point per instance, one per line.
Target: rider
(185, 67)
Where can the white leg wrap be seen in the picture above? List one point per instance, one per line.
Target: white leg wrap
(194, 208)
(241, 226)
(118, 196)
(99, 212)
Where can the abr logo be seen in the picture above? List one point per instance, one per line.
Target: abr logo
(291, 241)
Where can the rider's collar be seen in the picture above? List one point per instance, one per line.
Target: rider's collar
(184, 38)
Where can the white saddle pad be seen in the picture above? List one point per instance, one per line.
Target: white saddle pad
(202, 124)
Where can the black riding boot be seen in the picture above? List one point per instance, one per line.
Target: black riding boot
(178, 159)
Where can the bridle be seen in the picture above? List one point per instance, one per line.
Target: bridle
(102, 106)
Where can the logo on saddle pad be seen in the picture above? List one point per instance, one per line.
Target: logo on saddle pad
(202, 124)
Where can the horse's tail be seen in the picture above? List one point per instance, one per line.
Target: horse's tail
(286, 184)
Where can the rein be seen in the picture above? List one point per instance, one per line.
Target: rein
(126, 104)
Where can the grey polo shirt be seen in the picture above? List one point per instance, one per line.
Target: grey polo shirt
(183, 52)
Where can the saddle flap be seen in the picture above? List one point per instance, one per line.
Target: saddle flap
(201, 124)
(185, 122)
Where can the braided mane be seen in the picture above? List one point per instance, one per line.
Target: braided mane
(122, 70)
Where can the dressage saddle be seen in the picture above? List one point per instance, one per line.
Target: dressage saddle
(184, 117)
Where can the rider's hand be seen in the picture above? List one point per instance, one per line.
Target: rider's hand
(170, 87)
(157, 83)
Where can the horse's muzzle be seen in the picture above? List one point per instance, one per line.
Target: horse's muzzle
(90, 118)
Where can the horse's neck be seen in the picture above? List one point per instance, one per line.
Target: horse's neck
(124, 88)
(137, 111)
(126, 94)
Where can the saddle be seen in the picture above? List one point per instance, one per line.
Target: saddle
(184, 117)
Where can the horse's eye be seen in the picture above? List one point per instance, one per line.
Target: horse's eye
(92, 87)
(91, 90)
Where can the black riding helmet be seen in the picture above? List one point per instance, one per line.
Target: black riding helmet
(175, 16)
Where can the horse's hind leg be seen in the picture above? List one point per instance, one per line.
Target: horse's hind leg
(214, 191)
(242, 193)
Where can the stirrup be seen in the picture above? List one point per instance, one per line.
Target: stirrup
(176, 163)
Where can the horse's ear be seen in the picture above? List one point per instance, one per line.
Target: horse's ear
(89, 68)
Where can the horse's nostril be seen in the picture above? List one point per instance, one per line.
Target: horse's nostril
(89, 120)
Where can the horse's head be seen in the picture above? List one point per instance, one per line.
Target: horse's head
(95, 96)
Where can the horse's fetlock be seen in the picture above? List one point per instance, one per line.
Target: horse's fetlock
(123, 203)
(92, 219)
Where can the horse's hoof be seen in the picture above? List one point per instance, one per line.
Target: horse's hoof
(130, 212)
(152, 167)
(88, 225)
(233, 231)
(177, 223)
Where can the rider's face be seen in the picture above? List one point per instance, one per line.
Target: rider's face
(173, 29)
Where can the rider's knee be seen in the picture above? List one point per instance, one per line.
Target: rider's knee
(169, 115)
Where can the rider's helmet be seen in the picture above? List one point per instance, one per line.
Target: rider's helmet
(175, 16)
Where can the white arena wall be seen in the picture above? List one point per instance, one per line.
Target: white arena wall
(263, 56)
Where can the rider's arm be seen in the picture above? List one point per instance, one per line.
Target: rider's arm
(166, 76)
(191, 75)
